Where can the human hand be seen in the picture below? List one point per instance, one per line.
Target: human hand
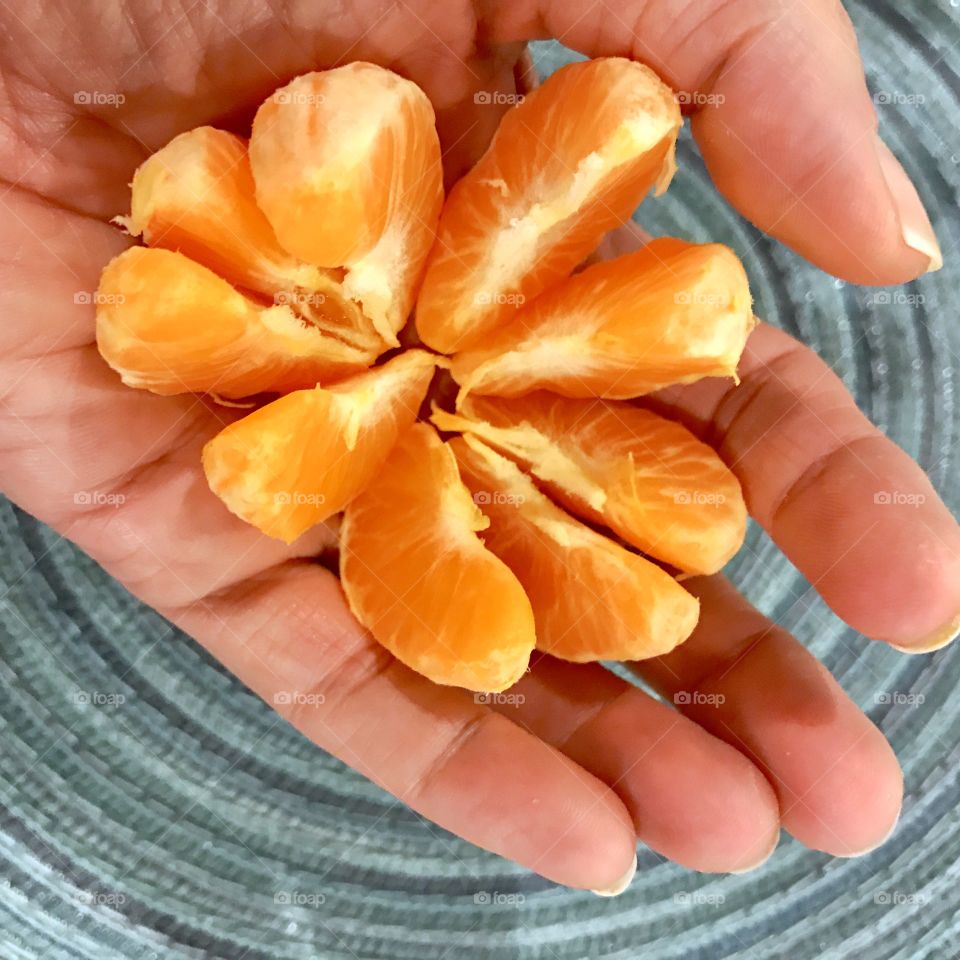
(568, 780)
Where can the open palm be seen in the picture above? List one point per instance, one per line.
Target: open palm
(565, 781)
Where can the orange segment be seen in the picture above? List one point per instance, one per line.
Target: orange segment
(592, 599)
(670, 313)
(196, 196)
(347, 170)
(420, 579)
(647, 478)
(300, 459)
(569, 163)
(170, 325)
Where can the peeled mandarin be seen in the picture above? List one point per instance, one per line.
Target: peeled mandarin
(196, 196)
(347, 169)
(418, 576)
(167, 324)
(300, 459)
(673, 312)
(592, 598)
(566, 165)
(645, 477)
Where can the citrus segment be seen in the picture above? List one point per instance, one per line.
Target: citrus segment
(420, 579)
(300, 459)
(566, 165)
(592, 599)
(347, 169)
(646, 478)
(170, 325)
(196, 196)
(673, 312)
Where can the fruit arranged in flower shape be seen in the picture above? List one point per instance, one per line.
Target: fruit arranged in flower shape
(592, 599)
(302, 458)
(566, 165)
(645, 477)
(291, 263)
(418, 576)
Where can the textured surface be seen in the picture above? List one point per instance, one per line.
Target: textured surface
(154, 808)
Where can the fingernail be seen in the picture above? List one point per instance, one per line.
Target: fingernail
(763, 859)
(936, 641)
(915, 225)
(621, 884)
(873, 846)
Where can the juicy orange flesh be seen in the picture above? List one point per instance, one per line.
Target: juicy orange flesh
(645, 477)
(418, 577)
(294, 260)
(347, 171)
(592, 599)
(196, 196)
(170, 325)
(565, 166)
(673, 312)
(300, 459)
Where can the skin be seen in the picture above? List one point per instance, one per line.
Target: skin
(567, 782)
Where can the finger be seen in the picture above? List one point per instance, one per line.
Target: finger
(782, 114)
(470, 97)
(693, 799)
(290, 637)
(116, 470)
(750, 683)
(852, 511)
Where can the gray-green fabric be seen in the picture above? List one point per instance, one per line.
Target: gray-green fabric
(154, 808)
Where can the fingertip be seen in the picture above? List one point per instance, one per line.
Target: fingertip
(621, 883)
(762, 859)
(848, 802)
(897, 578)
(916, 231)
(936, 641)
